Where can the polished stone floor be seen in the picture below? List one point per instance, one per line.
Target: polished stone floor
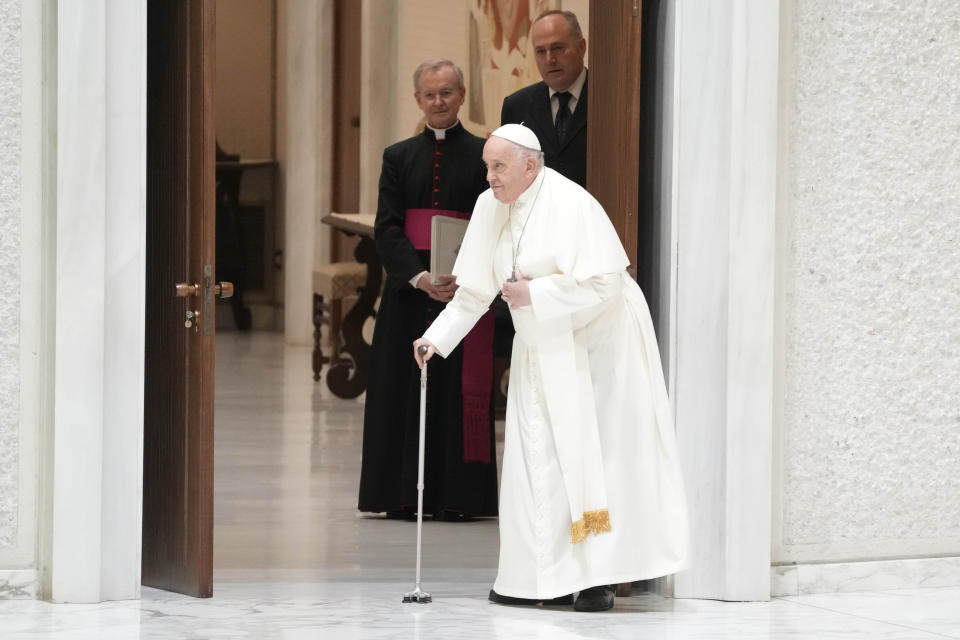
(293, 558)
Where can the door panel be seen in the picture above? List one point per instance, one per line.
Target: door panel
(613, 152)
(178, 395)
(346, 120)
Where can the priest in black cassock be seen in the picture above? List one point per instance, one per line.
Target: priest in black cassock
(438, 172)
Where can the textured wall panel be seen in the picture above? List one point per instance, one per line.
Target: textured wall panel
(10, 76)
(872, 387)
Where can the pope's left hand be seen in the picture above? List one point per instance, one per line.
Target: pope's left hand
(516, 294)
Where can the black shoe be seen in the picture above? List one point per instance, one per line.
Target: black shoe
(595, 598)
(567, 599)
(401, 514)
(446, 515)
(499, 599)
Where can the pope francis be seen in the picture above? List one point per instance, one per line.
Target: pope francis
(591, 493)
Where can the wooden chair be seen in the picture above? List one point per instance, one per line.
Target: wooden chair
(331, 284)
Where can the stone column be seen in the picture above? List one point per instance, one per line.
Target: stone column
(100, 220)
(304, 139)
(724, 212)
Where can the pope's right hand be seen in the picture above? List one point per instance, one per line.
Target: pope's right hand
(422, 358)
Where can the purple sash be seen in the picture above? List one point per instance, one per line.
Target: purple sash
(417, 225)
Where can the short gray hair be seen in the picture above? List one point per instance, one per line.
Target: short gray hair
(435, 64)
(571, 21)
(526, 152)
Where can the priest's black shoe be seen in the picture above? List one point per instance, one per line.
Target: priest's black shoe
(499, 599)
(595, 598)
(401, 514)
(446, 515)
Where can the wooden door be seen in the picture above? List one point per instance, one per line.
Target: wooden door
(346, 120)
(622, 160)
(178, 395)
(613, 114)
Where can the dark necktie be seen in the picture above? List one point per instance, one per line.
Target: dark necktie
(563, 115)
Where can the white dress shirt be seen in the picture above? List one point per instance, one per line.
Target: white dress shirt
(574, 91)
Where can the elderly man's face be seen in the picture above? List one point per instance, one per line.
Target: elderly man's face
(439, 96)
(508, 173)
(559, 54)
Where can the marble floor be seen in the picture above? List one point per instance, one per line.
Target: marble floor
(293, 558)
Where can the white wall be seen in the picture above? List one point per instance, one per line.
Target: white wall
(21, 306)
(245, 97)
(427, 29)
(15, 461)
(869, 459)
(244, 80)
(398, 36)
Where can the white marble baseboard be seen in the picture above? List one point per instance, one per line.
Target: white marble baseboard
(19, 584)
(881, 575)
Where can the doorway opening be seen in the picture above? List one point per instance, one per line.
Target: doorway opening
(249, 100)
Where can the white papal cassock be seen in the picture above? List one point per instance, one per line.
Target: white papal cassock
(588, 425)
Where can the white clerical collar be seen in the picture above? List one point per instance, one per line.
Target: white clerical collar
(441, 134)
(575, 88)
(530, 192)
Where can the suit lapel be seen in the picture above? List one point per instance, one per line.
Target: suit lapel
(579, 119)
(543, 117)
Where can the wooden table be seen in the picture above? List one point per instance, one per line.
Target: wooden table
(347, 376)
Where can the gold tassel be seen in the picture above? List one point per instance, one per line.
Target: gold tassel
(593, 522)
(597, 521)
(578, 532)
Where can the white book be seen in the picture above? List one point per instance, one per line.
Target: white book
(446, 236)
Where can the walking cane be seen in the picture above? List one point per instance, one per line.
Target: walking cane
(418, 594)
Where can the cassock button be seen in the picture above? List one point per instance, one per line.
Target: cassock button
(436, 165)
(436, 190)
(436, 177)
(436, 204)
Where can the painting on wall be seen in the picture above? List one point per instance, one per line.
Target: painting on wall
(501, 57)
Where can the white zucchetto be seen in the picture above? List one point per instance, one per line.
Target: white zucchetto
(518, 134)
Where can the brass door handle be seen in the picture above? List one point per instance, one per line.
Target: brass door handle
(184, 289)
(205, 292)
(223, 289)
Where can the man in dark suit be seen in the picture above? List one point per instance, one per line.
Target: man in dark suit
(556, 109)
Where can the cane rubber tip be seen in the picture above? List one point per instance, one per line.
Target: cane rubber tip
(422, 350)
(421, 597)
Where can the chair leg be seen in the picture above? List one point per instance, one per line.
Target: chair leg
(336, 308)
(318, 321)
